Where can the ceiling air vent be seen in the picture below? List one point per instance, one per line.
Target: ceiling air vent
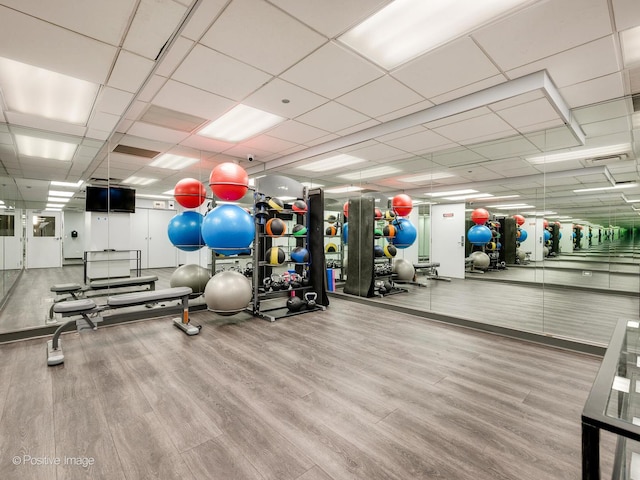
(167, 118)
(621, 157)
(138, 152)
(98, 180)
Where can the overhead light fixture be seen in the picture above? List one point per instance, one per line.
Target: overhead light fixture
(173, 162)
(240, 123)
(154, 197)
(43, 93)
(599, 189)
(428, 177)
(405, 29)
(142, 181)
(337, 161)
(539, 214)
(348, 189)
(512, 206)
(311, 184)
(58, 199)
(630, 41)
(500, 197)
(471, 196)
(370, 173)
(55, 205)
(168, 192)
(60, 193)
(580, 154)
(67, 184)
(465, 191)
(45, 148)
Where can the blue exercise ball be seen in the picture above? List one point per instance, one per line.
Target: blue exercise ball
(559, 235)
(406, 233)
(479, 235)
(522, 235)
(228, 229)
(345, 233)
(547, 235)
(184, 231)
(378, 251)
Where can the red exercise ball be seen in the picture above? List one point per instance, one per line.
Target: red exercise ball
(479, 216)
(190, 193)
(345, 210)
(519, 219)
(402, 205)
(377, 214)
(545, 223)
(229, 181)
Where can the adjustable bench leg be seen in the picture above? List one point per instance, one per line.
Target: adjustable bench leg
(54, 348)
(183, 323)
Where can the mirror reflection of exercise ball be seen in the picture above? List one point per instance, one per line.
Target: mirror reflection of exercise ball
(404, 269)
(520, 254)
(479, 235)
(545, 251)
(547, 235)
(521, 235)
(190, 275)
(480, 259)
(228, 292)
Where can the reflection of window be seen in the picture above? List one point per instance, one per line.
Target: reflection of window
(44, 226)
(7, 225)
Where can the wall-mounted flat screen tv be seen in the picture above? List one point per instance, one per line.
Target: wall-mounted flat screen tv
(110, 199)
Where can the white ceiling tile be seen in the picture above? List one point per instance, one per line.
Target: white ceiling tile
(478, 127)
(332, 117)
(184, 98)
(151, 88)
(587, 61)
(526, 114)
(98, 134)
(103, 121)
(456, 156)
(607, 127)
(626, 13)
(417, 107)
(136, 110)
(377, 152)
(419, 142)
(268, 143)
(554, 139)
(124, 126)
(468, 89)
(154, 22)
(206, 144)
(269, 39)
(537, 127)
(104, 21)
(45, 124)
(544, 29)
(400, 133)
(332, 71)
(380, 97)
(331, 17)
(219, 74)
(593, 91)
(174, 56)
(202, 18)
(459, 117)
(153, 132)
(357, 127)
(269, 98)
(129, 72)
(32, 41)
(436, 72)
(508, 148)
(603, 111)
(6, 138)
(295, 131)
(112, 100)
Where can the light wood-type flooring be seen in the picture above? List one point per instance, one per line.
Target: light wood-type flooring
(349, 393)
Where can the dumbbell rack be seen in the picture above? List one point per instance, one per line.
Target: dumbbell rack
(390, 275)
(272, 313)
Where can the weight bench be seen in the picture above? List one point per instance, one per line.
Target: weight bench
(431, 270)
(75, 291)
(85, 306)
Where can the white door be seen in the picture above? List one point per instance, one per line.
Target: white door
(11, 234)
(448, 237)
(44, 244)
(140, 236)
(162, 253)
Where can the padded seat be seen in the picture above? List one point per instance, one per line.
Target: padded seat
(66, 287)
(151, 296)
(74, 306)
(122, 282)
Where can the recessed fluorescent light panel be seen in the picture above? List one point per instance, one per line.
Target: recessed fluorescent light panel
(512, 206)
(43, 93)
(133, 180)
(55, 205)
(311, 184)
(580, 154)
(630, 40)
(599, 189)
(60, 193)
(405, 29)
(240, 123)
(348, 189)
(67, 184)
(155, 197)
(173, 162)
(44, 148)
(370, 173)
(57, 199)
(450, 193)
(471, 196)
(428, 177)
(330, 163)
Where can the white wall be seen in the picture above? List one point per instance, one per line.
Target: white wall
(566, 242)
(107, 231)
(73, 247)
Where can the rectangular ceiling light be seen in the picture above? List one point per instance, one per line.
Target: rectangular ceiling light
(43, 93)
(173, 162)
(311, 184)
(240, 123)
(468, 197)
(43, 148)
(55, 205)
(580, 154)
(370, 173)
(142, 181)
(500, 197)
(630, 40)
(338, 161)
(348, 189)
(515, 207)
(599, 189)
(512, 205)
(466, 191)
(58, 199)
(60, 193)
(428, 177)
(405, 29)
(67, 184)
(154, 197)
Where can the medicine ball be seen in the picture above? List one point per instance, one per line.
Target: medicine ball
(389, 231)
(275, 256)
(275, 204)
(299, 230)
(377, 214)
(332, 219)
(377, 233)
(299, 206)
(300, 255)
(276, 227)
(378, 251)
(390, 251)
(389, 216)
(295, 304)
(331, 230)
(331, 248)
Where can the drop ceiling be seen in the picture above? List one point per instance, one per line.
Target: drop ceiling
(165, 68)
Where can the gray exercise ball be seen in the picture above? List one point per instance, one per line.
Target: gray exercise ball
(228, 293)
(481, 260)
(404, 269)
(190, 275)
(545, 251)
(521, 255)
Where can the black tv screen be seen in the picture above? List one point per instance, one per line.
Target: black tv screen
(111, 199)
